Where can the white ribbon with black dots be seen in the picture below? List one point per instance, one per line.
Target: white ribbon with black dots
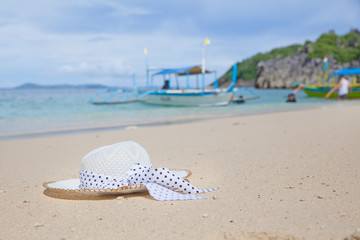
(160, 182)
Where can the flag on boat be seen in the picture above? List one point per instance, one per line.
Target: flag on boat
(206, 42)
(145, 51)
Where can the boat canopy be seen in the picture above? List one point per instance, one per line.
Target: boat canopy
(182, 71)
(350, 71)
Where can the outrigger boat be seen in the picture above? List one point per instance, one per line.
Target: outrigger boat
(321, 90)
(175, 97)
(167, 96)
(189, 97)
(192, 97)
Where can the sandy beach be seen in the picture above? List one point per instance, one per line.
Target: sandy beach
(288, 175)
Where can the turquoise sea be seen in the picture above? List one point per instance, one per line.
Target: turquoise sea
(35, 112)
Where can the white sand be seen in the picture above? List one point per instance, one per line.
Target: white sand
(280, 175)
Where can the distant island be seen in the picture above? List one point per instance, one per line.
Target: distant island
(280, 67)
(61, 86)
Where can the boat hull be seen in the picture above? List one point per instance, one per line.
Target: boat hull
(201, 99)
(314, 91)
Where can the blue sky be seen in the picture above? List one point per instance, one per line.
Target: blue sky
(102, 41)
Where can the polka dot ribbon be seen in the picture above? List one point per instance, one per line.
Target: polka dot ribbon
(161, 183)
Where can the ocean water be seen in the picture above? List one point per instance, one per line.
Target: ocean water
(36, 111)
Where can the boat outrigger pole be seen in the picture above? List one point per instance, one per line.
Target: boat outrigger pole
(134, 83)
(233, 78)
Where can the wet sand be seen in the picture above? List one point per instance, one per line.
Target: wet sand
(289, 175)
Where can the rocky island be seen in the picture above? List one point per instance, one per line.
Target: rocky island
(281, 67)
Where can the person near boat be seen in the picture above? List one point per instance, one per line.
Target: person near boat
(166, 85)
(291, 96)
(343, 88)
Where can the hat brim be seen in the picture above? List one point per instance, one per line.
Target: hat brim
(72, 186)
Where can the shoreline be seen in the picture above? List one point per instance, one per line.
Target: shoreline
(175, 120)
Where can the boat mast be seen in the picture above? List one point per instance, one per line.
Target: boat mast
(206, 42)
(325, 69)
(147, 67)
(203, 67)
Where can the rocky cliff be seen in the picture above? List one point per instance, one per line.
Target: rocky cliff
(280, 67)
(281, 73)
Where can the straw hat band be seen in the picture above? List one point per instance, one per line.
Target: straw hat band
(160, 182)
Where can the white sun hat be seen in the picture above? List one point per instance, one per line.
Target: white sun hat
(125, 167)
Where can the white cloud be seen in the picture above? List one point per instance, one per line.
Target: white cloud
(49, 40)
